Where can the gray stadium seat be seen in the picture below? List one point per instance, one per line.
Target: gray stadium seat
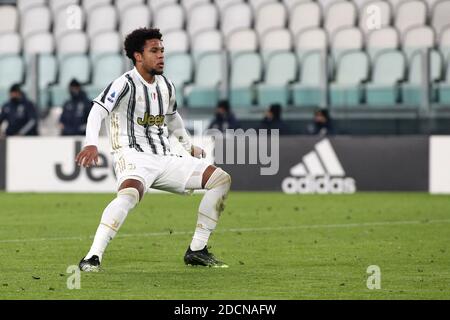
(71, 66)
(58, 5)
(340, 14)
(206, 41)
(418, 38)
(179, 69)
(303, 16)
(388, 70)
(235, 17)
(412, 89)
(104, 68)
(275, 40)
(188, 5)
(176, 41)
(444, 43)
(311, 40)
(101, 19)
(12, 67)
(290, 4)
(246, 70)
(105, 42)
(133, 17)
(35, 19)
(307, 92)
(88, 5)
(382, 39)
(169, 17)
(257, 4)
(39, 43)
(223, 4)
(344, 40)
(68, 20)
(367, 23)
(47, 66)
(444, 87)
(156, 4)
(440, 16)
(270, 16)
(325, 4)
(24, 5)
(202, 17)
(123, 5)
(242, 40)
(352, 71)
(281, 70)
(10, 43)
(74, 42)
(410, 14)
(9, 19)
(204, 92)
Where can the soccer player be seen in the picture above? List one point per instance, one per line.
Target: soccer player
(140, 111)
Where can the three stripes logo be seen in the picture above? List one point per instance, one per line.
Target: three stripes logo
(319, 172)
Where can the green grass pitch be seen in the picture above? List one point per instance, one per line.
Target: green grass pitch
(278, 247)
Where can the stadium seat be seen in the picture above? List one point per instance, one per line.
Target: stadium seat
(235, 17)
(170, 17)
(444, 44)
(382, 39)
(176, 41)
(71, 43)
(188, 5)
(418, 38)
(202, 17)
(325, 4)
(101, 19)
(179, 69)
(133, 17)
(67, 21)
(270, 16)
(24, 5)
(281, 70)
(444, 87)
(70, 67)
(412, 89)
(204, 92)
(344, 40)
(303, 16)
(124, 5)
(339, 15)
(156, 4)
(105, 42)
(275, 40)
(388, 70)
(361, 3)
(9, 19)
(47, 66)
(39, 43)
(440, 16)
(290, 4)
(352, 71)
(242, 40)
(246, 70)
(61, 5)
(88, 5)
(206, 41)
(10, 43)
(313, 39)
(257, 4)
(104, 68)
(307, 92)
(35, 19)
(367, 21)
(12, 67)
(223, 4)
(410, 14)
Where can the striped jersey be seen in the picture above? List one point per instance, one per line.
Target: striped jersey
(136, 112)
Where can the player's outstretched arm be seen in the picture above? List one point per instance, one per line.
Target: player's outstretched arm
(176, 127)
(89, 155)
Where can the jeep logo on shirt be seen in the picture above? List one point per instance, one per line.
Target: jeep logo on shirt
(150, 120)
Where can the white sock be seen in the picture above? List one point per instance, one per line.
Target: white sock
(112, 219)
(210, 208)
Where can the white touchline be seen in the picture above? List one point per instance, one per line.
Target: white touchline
(281, 228)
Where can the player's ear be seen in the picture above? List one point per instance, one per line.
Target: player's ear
(137, 56)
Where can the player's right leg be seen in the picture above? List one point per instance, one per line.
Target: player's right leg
(130, 193)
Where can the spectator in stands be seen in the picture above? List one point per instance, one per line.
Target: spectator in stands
(322, 123)
(20, 114)
(75, 111)
(272, 120)
(224, 117)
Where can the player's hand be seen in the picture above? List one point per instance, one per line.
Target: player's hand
(198, 152)
(87, 157)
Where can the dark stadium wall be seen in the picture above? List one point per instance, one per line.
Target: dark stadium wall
(368, 163)
(2, 164)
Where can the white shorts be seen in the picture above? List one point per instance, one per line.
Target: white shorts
(168, 173)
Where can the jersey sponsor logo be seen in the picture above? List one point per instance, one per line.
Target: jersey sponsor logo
(111, 97)
(320, 171)
(150, 120)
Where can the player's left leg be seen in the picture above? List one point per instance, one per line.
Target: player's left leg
(217, 184)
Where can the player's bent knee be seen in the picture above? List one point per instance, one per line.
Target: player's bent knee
(132, 194)
(218, 178)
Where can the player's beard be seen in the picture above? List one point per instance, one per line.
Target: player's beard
(155, 72)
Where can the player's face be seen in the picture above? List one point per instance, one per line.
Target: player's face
(153, 57)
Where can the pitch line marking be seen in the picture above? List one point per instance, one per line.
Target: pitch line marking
(283, 228)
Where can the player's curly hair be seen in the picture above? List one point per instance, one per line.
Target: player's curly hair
(135, 41)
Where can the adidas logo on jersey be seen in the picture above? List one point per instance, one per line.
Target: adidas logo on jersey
(319, 172)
